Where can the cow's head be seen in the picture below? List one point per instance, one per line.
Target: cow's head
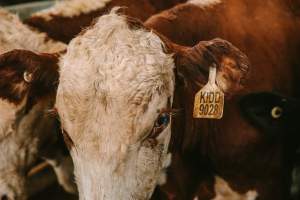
(27, 79)
(117, 85)
(275, 114)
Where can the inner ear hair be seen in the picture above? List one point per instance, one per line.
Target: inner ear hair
(193, 63)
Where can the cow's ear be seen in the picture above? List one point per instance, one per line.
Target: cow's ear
(192, 65)
(27, 74)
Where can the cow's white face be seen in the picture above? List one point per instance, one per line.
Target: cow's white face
(21, 135)
(11, 182)
(114, 98)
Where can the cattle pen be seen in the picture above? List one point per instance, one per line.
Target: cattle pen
(149, 99)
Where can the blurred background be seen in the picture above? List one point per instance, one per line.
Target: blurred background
(10, 2)
(24, 8)
(53, 191)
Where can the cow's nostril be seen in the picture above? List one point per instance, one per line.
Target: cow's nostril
(4, 197)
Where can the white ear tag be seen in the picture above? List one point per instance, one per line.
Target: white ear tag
(209, 101)
(27, 76)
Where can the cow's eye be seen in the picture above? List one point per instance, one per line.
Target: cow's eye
(160, 124)
(163, 120)
(276, 112)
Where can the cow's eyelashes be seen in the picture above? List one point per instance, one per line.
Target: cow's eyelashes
(160, 124)
(163, 120)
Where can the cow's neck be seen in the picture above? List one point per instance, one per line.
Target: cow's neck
(25, 131)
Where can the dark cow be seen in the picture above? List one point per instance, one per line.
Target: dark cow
(277, 116)
(273, 113)
(67, 18)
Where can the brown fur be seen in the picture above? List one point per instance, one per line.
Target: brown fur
(165, 4)
(44, 70)
(66, 28)
(268, 32)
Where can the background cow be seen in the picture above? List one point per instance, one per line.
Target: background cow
(66, 19)
(27, 131)
(277, 116)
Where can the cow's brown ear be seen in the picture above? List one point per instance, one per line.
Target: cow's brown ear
(192, 65)
(25, 73)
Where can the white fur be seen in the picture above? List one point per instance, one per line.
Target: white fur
(205, 3)
(15, 35)
(224, 192)
(7, 117)
(113, 82)
(71, 8)
(12, 185)
(18, 149)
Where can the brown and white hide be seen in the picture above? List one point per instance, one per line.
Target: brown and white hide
(27, 131)
(67, 18)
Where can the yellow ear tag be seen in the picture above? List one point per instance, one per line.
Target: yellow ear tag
(209, 101)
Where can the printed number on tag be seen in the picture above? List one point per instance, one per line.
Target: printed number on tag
(209, 101)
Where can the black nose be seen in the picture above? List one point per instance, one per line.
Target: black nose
(4, 197)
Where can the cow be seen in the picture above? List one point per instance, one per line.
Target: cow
(277, 116)
(240, 152)
(273, 113)
(119, 85)
(66, 19)
(228, 158)
(27, 131)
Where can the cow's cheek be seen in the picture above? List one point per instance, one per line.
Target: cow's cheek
(148, 167)
(152, 161)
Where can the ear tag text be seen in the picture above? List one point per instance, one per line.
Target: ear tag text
(209, 101)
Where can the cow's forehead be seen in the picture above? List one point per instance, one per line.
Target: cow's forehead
(115, 63)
